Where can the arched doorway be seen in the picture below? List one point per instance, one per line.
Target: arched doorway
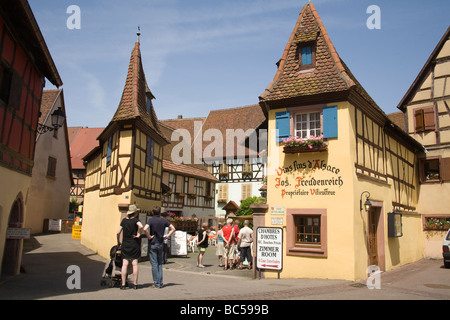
(11, 255)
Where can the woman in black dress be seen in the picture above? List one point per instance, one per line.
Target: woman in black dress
(131, 243)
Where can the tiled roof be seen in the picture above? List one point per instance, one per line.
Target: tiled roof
(188, 170)
(133, 104)
(182, 123)
(399, 119)
(48, 100)
(245, 118)
(329, 74)
(82, 141)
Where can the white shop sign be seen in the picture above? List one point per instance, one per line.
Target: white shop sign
(178, 243)
(269, 248)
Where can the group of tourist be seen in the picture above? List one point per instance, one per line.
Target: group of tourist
(233, 246)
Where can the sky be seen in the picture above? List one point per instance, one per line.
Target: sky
(203, 55)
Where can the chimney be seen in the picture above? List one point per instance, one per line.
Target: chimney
(180, 117)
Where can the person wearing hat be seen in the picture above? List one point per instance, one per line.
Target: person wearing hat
(130, 228)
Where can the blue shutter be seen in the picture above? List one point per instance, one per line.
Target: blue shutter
(330, 122)
(306, 55)
(282, 125)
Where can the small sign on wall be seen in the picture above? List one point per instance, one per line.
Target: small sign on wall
(18, 233)
(277, 210)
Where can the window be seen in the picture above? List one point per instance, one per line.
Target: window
(208, 189)
(424, 119)
(246, 191)
(430, 170)
(307, 124)
(434, 170)
(51, 167)
(198, 187)
(5, 82)
(307, 121)
(150, 151)
(307, 232)
(149, 105)
(108, 151)
(223, 193)
(307, 55)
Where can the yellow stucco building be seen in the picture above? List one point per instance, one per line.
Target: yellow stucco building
(126, 168)
(316, 193)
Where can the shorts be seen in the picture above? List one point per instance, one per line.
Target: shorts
(202, 249)
(228, 252)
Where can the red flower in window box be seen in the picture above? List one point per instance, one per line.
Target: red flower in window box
(309, 144)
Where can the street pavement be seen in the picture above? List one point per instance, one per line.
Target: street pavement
(47, 258)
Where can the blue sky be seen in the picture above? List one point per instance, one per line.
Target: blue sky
(202, 55)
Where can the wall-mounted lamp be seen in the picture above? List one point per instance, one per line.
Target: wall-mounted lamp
(367, 204)
(58, 117)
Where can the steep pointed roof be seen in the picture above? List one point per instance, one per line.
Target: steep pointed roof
(330, 73)
(136, 101)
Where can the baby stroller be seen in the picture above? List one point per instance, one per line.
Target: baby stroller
(112, 272)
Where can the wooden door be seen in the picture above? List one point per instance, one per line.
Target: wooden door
(373, 245)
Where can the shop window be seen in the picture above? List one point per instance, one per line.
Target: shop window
(307, 232)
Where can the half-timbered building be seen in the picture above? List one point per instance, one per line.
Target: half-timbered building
(332, 151)
(25, 63)
(426, 107)
(126, 167)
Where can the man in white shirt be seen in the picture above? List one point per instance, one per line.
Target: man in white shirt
(245, 240)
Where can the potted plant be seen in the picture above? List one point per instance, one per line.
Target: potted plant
(295, 144)
(223, 176)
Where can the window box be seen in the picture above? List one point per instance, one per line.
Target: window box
(223, 176)
(437, 223)
(247, 175)
(304, 149)
(300, 145)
